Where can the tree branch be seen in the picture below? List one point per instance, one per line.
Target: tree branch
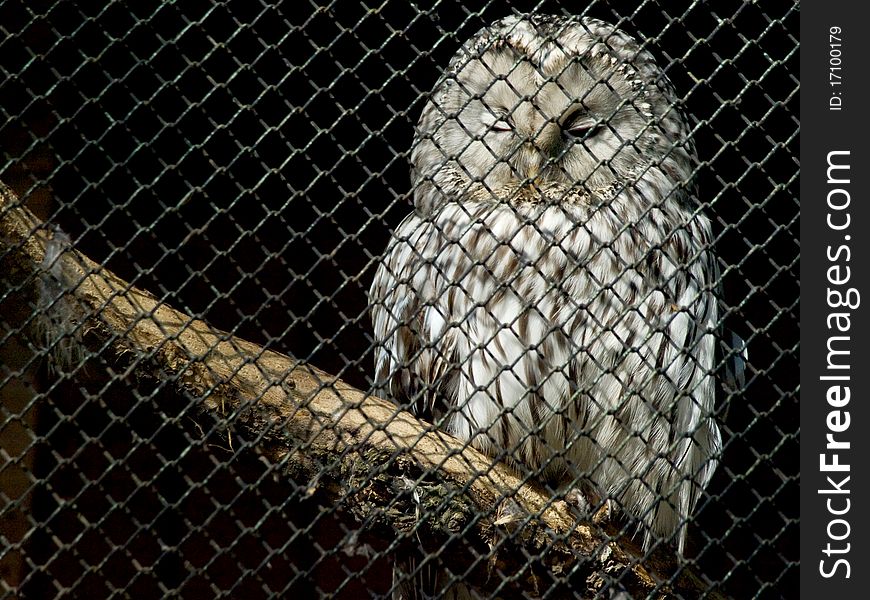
(384, 467)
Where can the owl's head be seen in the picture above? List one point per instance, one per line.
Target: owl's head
(542, 101)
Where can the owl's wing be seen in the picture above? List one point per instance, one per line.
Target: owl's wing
(414, 348)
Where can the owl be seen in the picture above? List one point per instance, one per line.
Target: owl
(551, 300)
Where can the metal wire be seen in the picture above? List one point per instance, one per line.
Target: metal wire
(246, 162)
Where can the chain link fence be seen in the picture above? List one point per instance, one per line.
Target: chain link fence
(246, 164)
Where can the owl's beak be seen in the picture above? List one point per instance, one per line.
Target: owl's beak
(545, 143)
(549, 139)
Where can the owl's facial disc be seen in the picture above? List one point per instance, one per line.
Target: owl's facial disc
(585, 109)
(516, 122)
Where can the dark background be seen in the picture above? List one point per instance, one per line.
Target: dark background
(246, 162)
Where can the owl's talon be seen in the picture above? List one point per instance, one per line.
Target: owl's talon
(604, 513)
(593, 509)
(508, 512)
(576, 499)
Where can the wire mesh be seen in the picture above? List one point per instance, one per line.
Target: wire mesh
(247, 163)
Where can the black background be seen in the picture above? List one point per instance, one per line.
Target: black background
(246, 164)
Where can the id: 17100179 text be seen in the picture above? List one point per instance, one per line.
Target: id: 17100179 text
(835, 67)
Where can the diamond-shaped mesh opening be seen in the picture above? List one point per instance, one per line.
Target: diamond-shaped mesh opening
(598, 274)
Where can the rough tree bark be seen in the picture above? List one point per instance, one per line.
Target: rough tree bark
(382, 466)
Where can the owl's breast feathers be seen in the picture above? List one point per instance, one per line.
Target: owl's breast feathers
(574, 337)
